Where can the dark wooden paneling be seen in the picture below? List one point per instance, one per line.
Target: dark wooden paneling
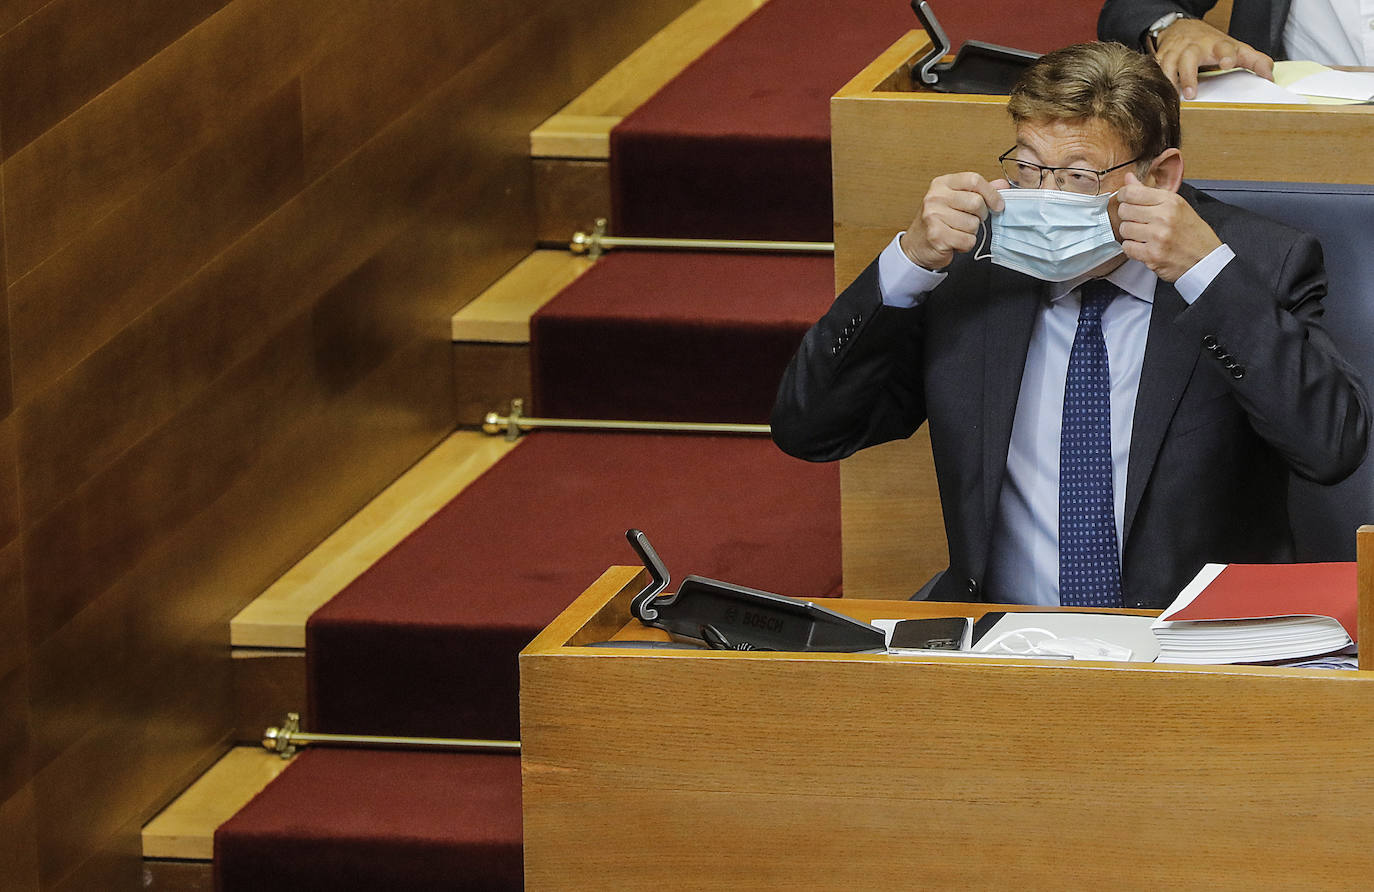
(93, 798)
(157, 484)
(18, 843)
(378, 72)
(77, 807)
(12, 12)
(16, 766)
(9, 481)
(225, 353)
(6, 368)
(70, 50)
(267, 685)
(486, 377)
(14, 650)
(115, 146)
(571, 196)
(134, 256)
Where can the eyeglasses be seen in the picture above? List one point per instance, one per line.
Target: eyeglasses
(1029, 175)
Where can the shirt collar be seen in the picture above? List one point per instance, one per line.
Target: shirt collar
(1132, 277)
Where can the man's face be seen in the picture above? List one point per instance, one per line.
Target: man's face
(1088, 144)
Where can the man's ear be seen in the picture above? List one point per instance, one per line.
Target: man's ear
(1166, 171)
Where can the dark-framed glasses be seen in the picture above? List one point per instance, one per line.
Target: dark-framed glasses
(1029, 175)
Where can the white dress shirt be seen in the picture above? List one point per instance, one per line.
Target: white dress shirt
(1333, 32)
(1024, 563)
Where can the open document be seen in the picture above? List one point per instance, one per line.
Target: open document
(1112, 637)
(1293, 83)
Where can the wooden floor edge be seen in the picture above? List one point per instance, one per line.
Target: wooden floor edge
(581, 129)
(277, 617)
(185, 829)
(501, 314)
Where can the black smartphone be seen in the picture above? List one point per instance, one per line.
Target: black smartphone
(932, 633)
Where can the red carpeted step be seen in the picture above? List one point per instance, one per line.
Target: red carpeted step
(687, 336)
(348, 820)
(425, 642)
(738, 144)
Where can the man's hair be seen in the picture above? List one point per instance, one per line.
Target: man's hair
(1105, 82)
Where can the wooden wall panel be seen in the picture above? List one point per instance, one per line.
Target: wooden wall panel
(234, 242)
(373, 75)
(12, 12)
(6, 379)
(16, 764)
(115, 146)
(132, 257)
(6, 375)
(9, 483)
(14, 651)
(18, 843)
(70, 50)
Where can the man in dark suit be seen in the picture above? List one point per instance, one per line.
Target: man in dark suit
(1203, 358)
(1328, 31)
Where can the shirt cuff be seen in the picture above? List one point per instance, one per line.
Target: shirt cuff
(1191, 284)
(903, 283)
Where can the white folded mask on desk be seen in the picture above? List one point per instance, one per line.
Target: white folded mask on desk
(1042, 642)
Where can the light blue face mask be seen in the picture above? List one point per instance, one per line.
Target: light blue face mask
(1052, 235)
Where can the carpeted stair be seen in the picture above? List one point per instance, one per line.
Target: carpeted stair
(426, 641)
(738, 144)
(680, 336)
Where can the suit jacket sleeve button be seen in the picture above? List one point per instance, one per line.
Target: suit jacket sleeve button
(1238, 372)
(835, 350)
(972, 585)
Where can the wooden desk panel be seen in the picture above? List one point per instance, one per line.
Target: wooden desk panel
(680, 769)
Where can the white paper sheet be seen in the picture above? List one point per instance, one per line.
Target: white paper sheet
(1357, 86)
(1239, 85)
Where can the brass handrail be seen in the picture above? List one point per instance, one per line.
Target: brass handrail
(597, 242)
(516, 423)
(286, 738)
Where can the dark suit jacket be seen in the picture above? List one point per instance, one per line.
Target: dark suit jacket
(1257, 22)
(1235, 391)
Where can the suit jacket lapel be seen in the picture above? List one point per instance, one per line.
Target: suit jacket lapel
(1014, 300)
(1167, 366)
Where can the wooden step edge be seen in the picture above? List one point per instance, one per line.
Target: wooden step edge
(501, 314)
(276, 618)
(185, 829)
(581, 129)
(581, 137)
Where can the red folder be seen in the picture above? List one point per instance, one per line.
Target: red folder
(1257, 591)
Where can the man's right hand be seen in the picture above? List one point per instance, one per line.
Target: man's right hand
(953, 208)
(1189, 44)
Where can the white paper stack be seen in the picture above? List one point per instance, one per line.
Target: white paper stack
(1258, 614)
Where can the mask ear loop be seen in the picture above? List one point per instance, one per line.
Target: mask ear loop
(986, 241)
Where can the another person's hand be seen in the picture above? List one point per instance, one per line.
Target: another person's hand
(1189, 44)
(1161, 230)
(953, 208)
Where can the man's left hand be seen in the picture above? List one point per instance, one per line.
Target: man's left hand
(1161, 230)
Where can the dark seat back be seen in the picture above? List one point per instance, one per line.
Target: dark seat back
(1342, 218)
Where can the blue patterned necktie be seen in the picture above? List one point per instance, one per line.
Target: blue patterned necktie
(1089, 567)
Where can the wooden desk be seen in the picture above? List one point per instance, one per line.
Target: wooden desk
(890, 140)
(699, 770)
